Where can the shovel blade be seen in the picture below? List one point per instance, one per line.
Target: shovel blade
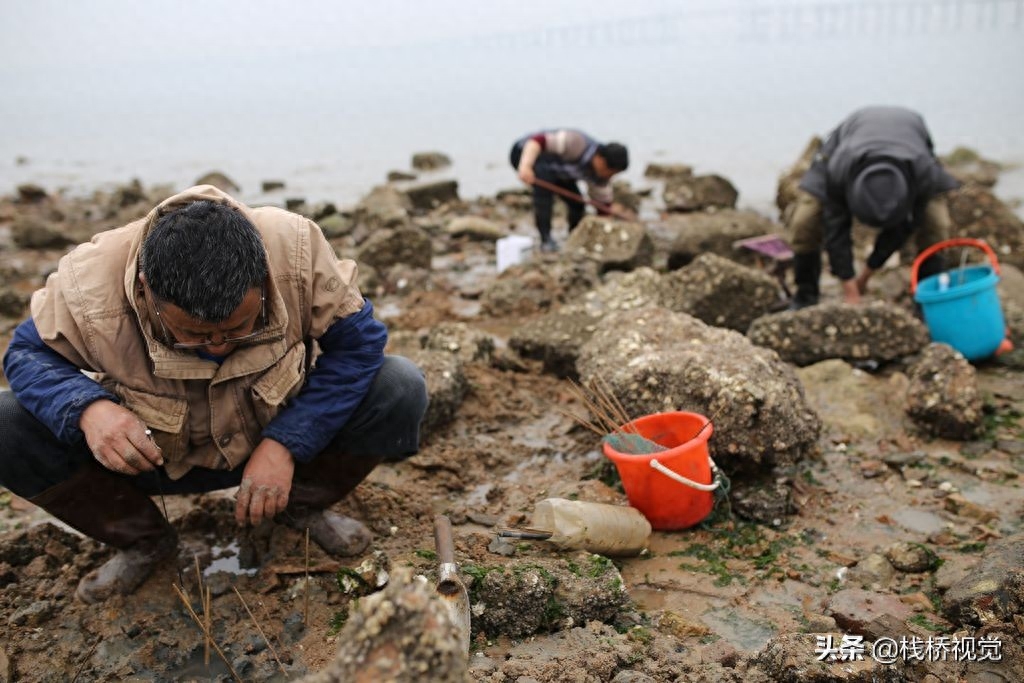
(449, 583)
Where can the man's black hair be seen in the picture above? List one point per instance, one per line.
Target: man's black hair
(615, 155)
(203, 258)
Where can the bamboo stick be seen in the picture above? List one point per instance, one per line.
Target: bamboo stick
(262, 633)
(199, 623)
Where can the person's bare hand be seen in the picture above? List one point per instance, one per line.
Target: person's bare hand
(527, 175)
(118, 439)
(266, 483)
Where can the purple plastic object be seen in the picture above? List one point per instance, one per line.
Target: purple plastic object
(772, 246)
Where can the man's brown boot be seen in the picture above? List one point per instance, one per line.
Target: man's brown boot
(338, 535)
(105, 506)
(126, 570)
(318, 485)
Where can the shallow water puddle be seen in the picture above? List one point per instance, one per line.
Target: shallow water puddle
(226, 560)
(744, 632)
(195, 668)
(919, 521)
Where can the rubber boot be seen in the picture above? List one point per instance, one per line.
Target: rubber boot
(105, 506)
(318, 485)
(806, 273)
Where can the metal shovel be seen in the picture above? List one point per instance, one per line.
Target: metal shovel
(449, 584)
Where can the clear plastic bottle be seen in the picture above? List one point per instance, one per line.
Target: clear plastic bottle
(943, 282)
(599, 528)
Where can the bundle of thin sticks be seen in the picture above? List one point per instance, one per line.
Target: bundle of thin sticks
(611, 422)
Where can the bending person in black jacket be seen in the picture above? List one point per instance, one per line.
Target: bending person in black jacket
(878, 166)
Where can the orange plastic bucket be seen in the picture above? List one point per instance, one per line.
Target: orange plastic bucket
(672, 488)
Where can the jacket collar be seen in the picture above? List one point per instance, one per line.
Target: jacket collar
(171, 363)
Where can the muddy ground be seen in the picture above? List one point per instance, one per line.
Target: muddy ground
(703, 603)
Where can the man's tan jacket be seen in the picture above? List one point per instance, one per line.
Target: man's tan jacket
(93, 311)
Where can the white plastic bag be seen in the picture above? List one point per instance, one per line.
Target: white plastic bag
(512, 250)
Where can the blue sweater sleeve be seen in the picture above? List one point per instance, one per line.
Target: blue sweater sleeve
(48, 385)
(352, 351)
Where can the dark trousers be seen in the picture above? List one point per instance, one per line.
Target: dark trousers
(544, 199)
(385, 426)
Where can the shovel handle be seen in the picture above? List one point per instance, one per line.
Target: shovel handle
(601, 206)
(443, 540)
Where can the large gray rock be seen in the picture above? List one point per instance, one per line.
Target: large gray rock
(789, 180)
(476, 228)
(714, 232)
(429, 161)
(32, 233)
(855, 608)
(403, 279)
(396, 635)
(1009, 666)
(30, 193)
(528, 292)
(431, 195)
(624, 195)
(520, 599)
(383, 207)
(968, 166)
(556, 339)
(655, 360)
(613, 244)
(127, 195)
(994, 590)
(877, 331)
(400, 176)
(6, 666)
(666, 171)
(219, 180)
(853, 404)
(336, 225)
(697, 193)
(462, 340)
(796, 658)
(1011, 296)
(762, 500)
(720, 292)
(943, 396)
(623, 291)
(446, 385)
(978, 213)
(386, 248)
(536, 286)
(12, 302)
(592, 652)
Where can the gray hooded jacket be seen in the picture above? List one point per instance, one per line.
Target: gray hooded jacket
(870, 135)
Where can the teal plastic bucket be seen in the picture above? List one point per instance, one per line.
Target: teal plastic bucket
(961, 306)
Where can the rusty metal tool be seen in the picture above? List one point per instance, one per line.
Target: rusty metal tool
(449, 583)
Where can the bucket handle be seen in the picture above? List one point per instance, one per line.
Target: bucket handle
(683, 480)
(945, 244)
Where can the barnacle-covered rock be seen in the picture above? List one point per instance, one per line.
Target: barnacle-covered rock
(655, 360)
(943, 396)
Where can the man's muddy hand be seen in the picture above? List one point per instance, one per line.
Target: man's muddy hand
(118, 439)
(266, 482)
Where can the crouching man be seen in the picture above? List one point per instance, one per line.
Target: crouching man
(206, 346)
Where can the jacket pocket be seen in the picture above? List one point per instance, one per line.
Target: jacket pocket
(165, 416)
(279, 384)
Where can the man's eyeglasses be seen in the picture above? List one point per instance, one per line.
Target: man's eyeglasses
(209, 340)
